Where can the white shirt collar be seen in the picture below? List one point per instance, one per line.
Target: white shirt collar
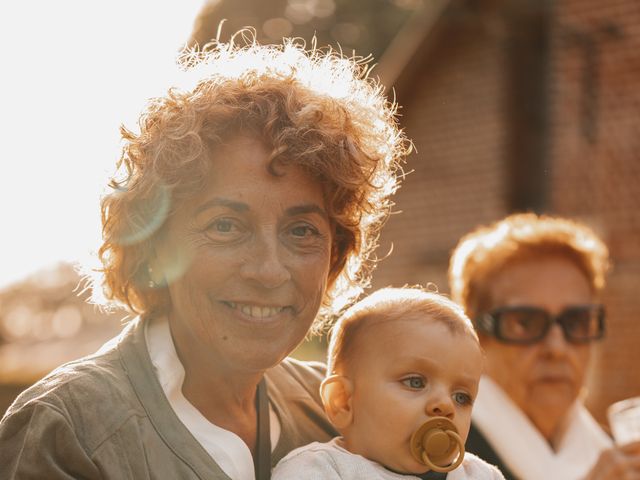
(523, 448)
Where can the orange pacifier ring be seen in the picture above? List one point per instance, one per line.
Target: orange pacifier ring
(434, 442)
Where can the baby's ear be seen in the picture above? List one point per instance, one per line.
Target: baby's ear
(336, 392)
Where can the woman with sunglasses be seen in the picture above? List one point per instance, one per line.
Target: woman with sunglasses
(531, 283)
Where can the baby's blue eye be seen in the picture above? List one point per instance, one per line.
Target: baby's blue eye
(462, 398)
(414, 382)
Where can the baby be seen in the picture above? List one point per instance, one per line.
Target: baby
(398, 358)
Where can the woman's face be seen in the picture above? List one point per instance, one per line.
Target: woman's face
(545, 378)
(246, 261)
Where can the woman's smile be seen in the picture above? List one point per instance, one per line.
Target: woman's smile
(256, 311)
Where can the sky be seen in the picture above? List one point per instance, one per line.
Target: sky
(72, 72)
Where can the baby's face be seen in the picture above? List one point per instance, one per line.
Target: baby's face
(405, 372)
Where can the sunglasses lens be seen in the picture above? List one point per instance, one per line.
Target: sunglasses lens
(582, 324)
(522, 325)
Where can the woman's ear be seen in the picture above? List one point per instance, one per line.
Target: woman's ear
(336, 392)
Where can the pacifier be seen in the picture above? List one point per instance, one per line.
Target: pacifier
(434, 442)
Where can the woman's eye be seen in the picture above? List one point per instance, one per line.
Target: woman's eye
(462, 398)
(303, 231)
(223, 225)
(414, 382)
(223, 229)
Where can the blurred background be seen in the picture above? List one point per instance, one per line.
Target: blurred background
(513, 105)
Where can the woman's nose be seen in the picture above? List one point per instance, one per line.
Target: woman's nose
(265, 264)
(555, 342)
(440, 405)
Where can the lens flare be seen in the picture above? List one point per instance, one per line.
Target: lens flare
(148, 218)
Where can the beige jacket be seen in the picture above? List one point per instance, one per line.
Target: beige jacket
(106, 416)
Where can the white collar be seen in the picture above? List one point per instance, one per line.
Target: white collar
(225, 447)
(523, 448)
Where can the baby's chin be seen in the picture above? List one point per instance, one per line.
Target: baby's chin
(411, 466)
(407, 467)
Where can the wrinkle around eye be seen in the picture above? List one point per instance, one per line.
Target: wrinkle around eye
(224, 230)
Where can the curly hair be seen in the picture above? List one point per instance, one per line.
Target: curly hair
(389, 304)
(484, 252)
(314, 109)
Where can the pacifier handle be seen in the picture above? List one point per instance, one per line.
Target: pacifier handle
(437, 437)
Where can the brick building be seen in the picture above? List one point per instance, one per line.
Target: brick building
(522, 105)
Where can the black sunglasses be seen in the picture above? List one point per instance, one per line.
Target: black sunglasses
(526, 325)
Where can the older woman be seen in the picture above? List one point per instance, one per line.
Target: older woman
(247, 208)
(531, 283)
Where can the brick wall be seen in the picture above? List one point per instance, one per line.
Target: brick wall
(453, 112)
(595, 164)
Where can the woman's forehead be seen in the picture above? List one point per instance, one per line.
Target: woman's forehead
(241, 172)
(551, 280)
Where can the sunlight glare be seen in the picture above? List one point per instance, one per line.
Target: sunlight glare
(73, 72)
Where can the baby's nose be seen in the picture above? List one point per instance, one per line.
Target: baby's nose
(440, 406)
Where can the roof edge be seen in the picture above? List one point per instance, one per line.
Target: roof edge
(405, 45)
